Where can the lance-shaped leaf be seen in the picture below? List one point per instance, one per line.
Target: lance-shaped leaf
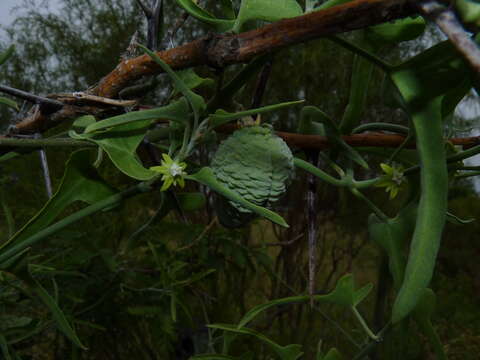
(9, 103)
(222, 117)
(196, 101)
(398, 31)
(393, 236)
(344, 294)
(289, 352)
(177, 111)
(267, 10)
(57, 314)
(333, 354)
(203, 15)
(192, 80)
(80, 182)
(206, 177)
(453, 219)
(120, 143)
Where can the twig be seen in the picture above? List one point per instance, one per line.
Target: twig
(46, 171)
(146, 10)
(262, 85)
(280, 243)
(36, 143)
(200, 237)
(447, 21)
(52, 104)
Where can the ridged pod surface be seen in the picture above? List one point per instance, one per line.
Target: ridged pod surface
(255, 163)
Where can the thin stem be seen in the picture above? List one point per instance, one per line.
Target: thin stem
(361, 52)
(318, 172)
(379, 126)
(129, 242)
(453, 158)
(7, 212)
(400, 148)
(466, 175)
(50, 142)
(46, 172)
(45, 169)
(362, 184)
(372, 345)
(381, 215)
(364, 325)
(146, 10)
(261, 85)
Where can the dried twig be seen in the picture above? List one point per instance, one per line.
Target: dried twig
(45, 169)
(447, 21)
(280, 243)
(201, 236)
(39, 100)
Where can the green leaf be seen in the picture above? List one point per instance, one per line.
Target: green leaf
(222, 117)
(192, 80)
(82, 122)
(191, 201)
(267, 10)
(458, 221)
(103, 204)
(331, 3)
(4, 348)
(196, 101)
(206, 177)
(201, 14)
(9, 103)
(393, 236)
(120, 143)
(333, 354)
(227, 8)
(289, 352)
(310, 5)
(431, 74)
(398, 31)
(57, 314)
(177, 111)
(344, 294)
(6, 54)
(80, 182)
(469, 11)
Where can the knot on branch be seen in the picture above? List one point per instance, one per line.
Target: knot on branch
(222, 49)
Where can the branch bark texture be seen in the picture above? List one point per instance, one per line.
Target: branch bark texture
(226, 49)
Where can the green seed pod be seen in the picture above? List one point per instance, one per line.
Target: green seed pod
(255, 163)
